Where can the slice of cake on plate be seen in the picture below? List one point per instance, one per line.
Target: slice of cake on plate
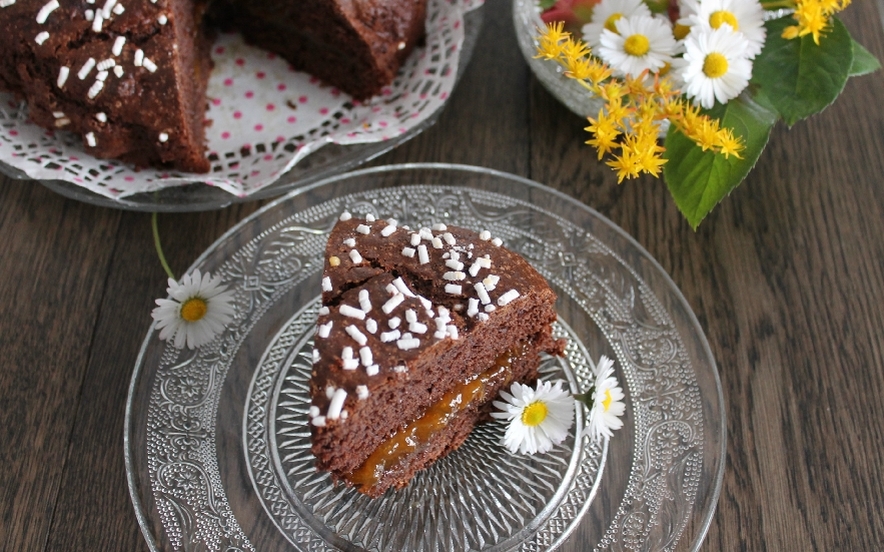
(418, 330)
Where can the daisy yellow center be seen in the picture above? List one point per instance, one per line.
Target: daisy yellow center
(715, 65)
(193, 309)
(606, 402)
(680, 31)
(609, 22)
(534, 414)
(637, 45)
(719, 18)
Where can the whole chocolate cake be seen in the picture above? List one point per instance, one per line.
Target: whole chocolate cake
(418, 330)
(130, 76)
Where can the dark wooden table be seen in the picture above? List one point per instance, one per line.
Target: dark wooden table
(786, 278)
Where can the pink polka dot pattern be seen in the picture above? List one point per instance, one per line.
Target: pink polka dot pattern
(257, 103)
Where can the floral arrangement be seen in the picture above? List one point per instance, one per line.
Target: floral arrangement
(712, 76)
(540, 418)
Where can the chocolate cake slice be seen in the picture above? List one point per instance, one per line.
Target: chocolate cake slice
(356, 45)
(129, 77)
(418, 330)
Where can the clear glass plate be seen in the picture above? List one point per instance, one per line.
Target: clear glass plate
(217, 440)
(328, 160)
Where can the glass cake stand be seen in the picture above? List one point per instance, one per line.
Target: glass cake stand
(217, 441)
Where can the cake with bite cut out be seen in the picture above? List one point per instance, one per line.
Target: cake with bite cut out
(418, 331)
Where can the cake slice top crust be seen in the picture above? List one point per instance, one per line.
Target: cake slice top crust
(392, 295)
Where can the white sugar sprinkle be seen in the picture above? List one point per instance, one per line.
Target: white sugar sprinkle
(325, 329)
(484, 235)
(371, 325)
(364, 301)
(426, 234)
(439, 227)
(63, 73)
(394, 322)
(90, 139)
(326, 284)
(355, 257)
(119, 9)
(408, 252)
(453, 289)
(402, 287)
(118, 45)
(357, 335)
(365, 356)
(507, 297)
(6, 3)
(415, 239)
(350, 242)
(336, 404)
(388, 230)
(437, 243)
(345, 216)
(452, 331)
(163, 137)
(369, 217)
(410, 316)
(96, 22)
(118, 71)
(315, 356)
(491, 281)
(58, 114)
(106, 64)
(362, 392)
(417, 328)
(314, 411)
(162, 19)
(482, 317)
(401, 369)
(423, 255)
(497, 241)
(482, 292)
(392, 303)
(454, 264)
(352, 312)
(363, 229)
(101, 117)
(108, 6)
(44, 12)
(149, 65)
(87, 67)
(449, 238)
(323, 311)
(318, 421)
(408, 344)
(89, 15)
(330, 391)
(440, 334)
(473, 307)
(490, 308)
(138, 60)
(372, 370)
(392, 335)
(455, 275)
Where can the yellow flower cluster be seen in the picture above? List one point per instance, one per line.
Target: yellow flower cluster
(813, 17)
(628, 126)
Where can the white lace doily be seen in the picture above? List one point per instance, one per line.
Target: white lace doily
(265, 117)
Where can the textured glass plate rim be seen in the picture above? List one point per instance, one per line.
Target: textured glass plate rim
(705, 521)
(180, 199)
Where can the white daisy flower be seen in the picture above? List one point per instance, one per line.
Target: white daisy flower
(605, 15)
(715, 65)
(607, 402)
(744, 16)
(640, 43)
(196, 312)
(538, 418)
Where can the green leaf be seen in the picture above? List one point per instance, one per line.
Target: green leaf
(547, 4)
(798, 76)
(863, 61)
(698, 180)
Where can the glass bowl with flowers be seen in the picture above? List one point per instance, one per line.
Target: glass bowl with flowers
(689, 89)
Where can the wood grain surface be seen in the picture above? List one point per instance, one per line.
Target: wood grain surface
(786, 278)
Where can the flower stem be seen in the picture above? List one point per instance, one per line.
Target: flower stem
(774, 4)
(158, 245)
